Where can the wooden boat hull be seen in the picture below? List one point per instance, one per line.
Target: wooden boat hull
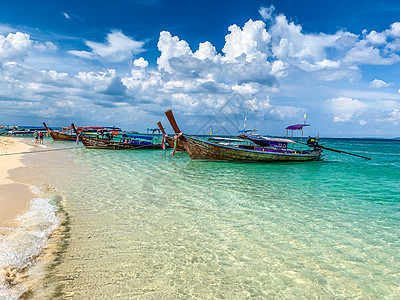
(59, 136)
(205, 150)
(95, 143)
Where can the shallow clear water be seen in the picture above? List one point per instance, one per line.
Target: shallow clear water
(146, 225)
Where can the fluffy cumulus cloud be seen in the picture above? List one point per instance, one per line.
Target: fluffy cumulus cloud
(117, 48)
(250, 42)
(14, 46)
(272, 64)
(140, 62)
(344, 109)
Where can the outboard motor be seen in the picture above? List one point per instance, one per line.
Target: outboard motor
(313, 143)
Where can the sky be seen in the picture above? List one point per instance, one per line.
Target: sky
(332, 64)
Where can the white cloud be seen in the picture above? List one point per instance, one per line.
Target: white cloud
(170, 47)
(365, 54)
(377, 83)
(266, 12)
(82, 54)
(376, 38)
(252, 41)
(14, 46)
(270, 66)
(394, 116)
(394, 30)
(391, 117)
(343, 109)
(117, 48)
(141, 63)
(206, 51)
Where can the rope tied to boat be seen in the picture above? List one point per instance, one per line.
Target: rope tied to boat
(163, 141)
(176, 137)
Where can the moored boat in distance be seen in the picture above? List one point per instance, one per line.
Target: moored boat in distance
(245, 150)
(61, 136)
(25, 130)
(120, 142)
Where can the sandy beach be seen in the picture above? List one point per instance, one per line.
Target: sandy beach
(14, 197)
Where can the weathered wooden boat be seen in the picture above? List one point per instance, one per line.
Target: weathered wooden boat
(60, 136)
(170, 140)
(260, 149)
(123, 143)
(198, 148)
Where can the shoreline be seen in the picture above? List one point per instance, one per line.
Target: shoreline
(15, 197)
(28, 218)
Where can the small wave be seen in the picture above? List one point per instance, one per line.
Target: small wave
(22, 245)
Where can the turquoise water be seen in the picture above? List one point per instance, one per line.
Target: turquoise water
(146, 225)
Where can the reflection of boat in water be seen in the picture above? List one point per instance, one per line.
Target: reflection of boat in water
(245, 148)
(122, 142)
(171, 141)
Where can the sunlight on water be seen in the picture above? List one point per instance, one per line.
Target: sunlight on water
(145, 225)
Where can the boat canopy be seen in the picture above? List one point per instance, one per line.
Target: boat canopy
(31, 127)
(216, 138)
(297, 127)
(271, 139)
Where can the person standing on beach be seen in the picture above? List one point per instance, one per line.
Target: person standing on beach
(41, 137)
(36, 136)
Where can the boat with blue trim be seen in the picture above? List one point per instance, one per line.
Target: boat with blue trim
(122, 141)
(246, 148)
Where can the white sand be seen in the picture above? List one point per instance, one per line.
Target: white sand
(14, 197)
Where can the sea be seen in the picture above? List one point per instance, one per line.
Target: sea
(142, 224)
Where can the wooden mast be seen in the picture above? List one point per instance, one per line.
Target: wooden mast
(161, 128)
(172, 121)
(45, 126)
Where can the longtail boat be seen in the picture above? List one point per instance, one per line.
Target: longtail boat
(170, 140)
(260, 149)
(60, 136)
(275, 151)
(125, 142)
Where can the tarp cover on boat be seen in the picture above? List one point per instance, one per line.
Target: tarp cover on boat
(297, 126)
(134, 136)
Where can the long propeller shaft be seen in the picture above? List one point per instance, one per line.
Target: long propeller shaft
(340, 151)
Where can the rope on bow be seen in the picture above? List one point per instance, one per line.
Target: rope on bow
(176, 137)
(163, 141)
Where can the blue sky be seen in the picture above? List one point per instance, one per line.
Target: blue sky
(125, 62)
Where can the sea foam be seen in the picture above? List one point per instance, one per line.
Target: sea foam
(19, 249)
